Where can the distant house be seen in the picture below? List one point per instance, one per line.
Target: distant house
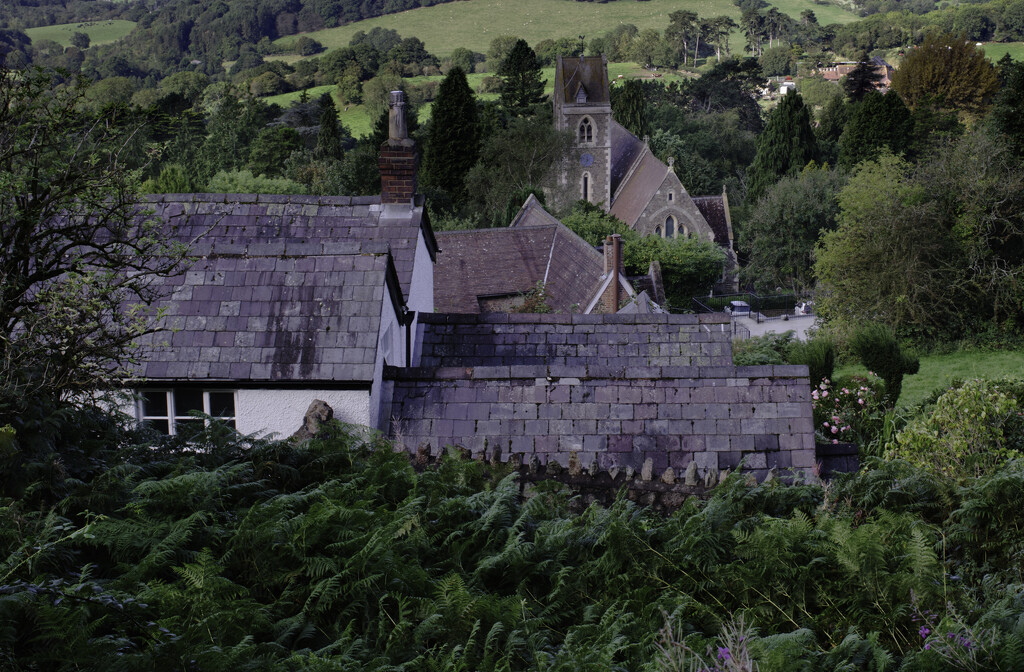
(840, 70)
(616, 169)
(290, 299)
(496, 270)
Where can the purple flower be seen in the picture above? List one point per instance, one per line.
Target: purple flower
(723, 653)
(924, 631)
(927, 646)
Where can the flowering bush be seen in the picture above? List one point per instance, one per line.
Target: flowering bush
(848, 410)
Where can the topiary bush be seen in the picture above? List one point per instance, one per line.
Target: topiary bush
(875, 345)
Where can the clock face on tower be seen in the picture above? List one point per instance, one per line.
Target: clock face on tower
(587, 160)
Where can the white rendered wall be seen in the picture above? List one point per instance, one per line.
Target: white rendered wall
(390, 345)
(421, 294)
(280, 412)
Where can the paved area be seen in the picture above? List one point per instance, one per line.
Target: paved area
(798, 323)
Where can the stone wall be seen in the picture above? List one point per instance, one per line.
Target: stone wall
(614, 342)
(610, 418)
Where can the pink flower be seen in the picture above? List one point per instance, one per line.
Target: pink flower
(835, 440)
(835, 430)
(835, 418)
(825, 424)
(825, 393)
(860, 401)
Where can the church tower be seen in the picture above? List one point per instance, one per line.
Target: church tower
(582, 105)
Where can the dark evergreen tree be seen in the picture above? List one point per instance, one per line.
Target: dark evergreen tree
(328, 140)
(862, 79)
(876, 122)
(522, 86)
(1007, 115)
(786, 145)
(629, 107)
(452, 142)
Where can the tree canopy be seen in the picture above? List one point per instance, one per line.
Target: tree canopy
(950, 70)
(76, 253)
(786, 145)
(452, 142)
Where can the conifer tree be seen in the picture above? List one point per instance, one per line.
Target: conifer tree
(786, 145)
(453, 140)
(861, 80)
(876, 122)
(522, 86)
(328, 140)
(629, 107)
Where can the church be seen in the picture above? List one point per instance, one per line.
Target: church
(618, 171)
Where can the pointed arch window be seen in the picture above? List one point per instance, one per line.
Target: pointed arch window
(586, 186)
(586, 131)
(657, 231)
(670, 227)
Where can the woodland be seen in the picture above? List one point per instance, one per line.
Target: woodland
(900, 213)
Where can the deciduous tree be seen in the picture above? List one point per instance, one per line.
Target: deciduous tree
(77, 257)
(950, 70)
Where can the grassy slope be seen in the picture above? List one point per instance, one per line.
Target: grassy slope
(938, 370)
(474, 23)
(996, 50)
(99, 32)
(358, 120)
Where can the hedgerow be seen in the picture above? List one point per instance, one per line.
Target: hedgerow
(335, 554)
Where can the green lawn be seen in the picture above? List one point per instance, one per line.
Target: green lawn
(474, 23)
(938, 370)
(996, 50)
(99, 32)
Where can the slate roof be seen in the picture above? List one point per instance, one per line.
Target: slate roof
(590, 72)
(498, 262)
(714, 210)
(240, 224)
(639, 188)
(271, 319)
(626, 148)
(284, 289)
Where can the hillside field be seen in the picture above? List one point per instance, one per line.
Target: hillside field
(99, 32)
(358, 120)
(996, 50)
(474, 23)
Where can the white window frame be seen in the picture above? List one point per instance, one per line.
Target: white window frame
(172, 418)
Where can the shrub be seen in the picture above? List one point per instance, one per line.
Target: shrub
(972, 430)
(760, 350)
(819, 354)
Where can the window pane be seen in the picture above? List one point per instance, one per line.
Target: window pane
(186, 401)
(222, 404)
(162, 426)
(154, 403)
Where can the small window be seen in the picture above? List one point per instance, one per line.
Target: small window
(586, 186)
(657, 231)
(586, 131)
(170, 411)
(671, 196)
(670, 227)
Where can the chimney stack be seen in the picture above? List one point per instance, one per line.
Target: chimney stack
(399, 159)
(612, 297)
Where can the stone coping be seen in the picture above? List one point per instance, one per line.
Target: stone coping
(570, 374)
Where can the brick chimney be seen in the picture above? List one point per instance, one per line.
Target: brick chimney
(612, 296)
(398, 156)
